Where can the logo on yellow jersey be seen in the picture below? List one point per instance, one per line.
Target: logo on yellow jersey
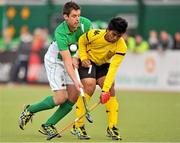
(96, 32)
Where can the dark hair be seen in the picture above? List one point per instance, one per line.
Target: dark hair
(69, 6)
(118, 24)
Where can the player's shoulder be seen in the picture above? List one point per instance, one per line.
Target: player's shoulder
(61, 28)
(96, 32)
(122, 45)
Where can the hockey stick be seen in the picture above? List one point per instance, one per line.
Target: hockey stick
(88, 117)
(77, 119)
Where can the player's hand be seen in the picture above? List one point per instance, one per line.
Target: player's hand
(104, 97)
(78, 85)
(86, 63)
(75, 62)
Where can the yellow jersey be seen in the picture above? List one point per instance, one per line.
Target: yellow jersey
(93, 46)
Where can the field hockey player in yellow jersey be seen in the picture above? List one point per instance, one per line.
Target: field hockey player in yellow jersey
(104, 50)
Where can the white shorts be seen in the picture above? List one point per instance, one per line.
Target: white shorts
(56, 74)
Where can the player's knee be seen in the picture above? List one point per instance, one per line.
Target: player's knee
(89, 88)
(60, 98)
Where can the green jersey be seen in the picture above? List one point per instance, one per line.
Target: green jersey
(64, 37)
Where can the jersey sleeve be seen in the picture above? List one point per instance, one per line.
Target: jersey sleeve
(61, 41)
(122, 47)
(115, 62)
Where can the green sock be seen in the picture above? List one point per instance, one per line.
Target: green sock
(62, 111)
(47, 103)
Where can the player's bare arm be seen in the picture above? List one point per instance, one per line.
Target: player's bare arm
(68, 65)
(75, 62)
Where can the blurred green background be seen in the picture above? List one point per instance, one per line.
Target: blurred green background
(142, 15)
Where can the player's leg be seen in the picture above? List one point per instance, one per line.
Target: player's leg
(54, 71)
(61, 112)
(111, 105)
(89, 84)
(65, 107)
(112, 113)
(47, 103)
(66, 96)
(29, 110)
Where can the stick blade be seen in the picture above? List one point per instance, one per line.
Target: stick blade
(89, 118)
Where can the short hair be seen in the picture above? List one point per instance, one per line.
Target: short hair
(69, 6)
(118, 24)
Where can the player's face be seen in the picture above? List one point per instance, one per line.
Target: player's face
(73, 19)
(112, 36)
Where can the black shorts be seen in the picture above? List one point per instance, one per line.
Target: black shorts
(96, 72)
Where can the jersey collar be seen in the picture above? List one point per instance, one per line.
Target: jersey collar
(67, 28)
